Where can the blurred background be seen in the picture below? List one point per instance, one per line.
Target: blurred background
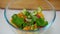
(55, 3)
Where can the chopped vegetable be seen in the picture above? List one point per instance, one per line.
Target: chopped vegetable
(16, 20)
(25, 12)
(40, 15)
(41, 22)
(39, 9)
(27, 28)
(26, 20)
(34, 12)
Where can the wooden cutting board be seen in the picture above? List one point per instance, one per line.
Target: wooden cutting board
(33, 4)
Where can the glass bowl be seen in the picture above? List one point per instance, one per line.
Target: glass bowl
(16, 6)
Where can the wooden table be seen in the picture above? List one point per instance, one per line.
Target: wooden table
(31, 4)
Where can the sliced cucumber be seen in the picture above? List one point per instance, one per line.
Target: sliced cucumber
(34, 12)
(39, 9)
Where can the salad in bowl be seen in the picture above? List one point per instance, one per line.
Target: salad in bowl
(28, 21)
(27, 18)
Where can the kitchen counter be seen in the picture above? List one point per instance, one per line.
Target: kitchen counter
(6, 29)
